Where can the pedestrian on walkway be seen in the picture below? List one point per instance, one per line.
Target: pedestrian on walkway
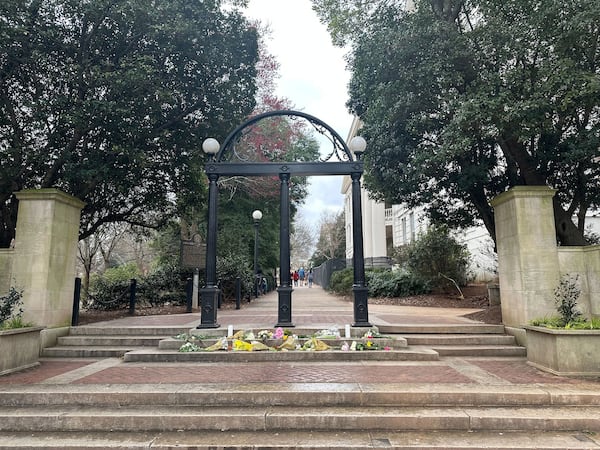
(310, 277)
(296, 277)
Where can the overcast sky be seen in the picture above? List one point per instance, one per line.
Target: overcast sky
(313, 77)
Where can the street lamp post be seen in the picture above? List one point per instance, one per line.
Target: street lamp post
(256, 216)
(359, 288)
(209, 294)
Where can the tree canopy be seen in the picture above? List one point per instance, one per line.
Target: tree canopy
(110, 101)
(462, 100)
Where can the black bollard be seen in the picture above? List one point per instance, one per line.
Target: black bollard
(238, 293)
(76, 300)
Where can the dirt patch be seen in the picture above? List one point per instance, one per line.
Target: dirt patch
(475, 296)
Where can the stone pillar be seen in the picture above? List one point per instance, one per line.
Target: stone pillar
(528, 263)
(45, 254)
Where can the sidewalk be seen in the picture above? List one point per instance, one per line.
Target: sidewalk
(310, 307)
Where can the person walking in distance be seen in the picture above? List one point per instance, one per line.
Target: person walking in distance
(301, 276)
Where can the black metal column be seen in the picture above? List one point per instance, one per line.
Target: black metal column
(209, 295)
(284, 317)
(360, 291)
(256, 259)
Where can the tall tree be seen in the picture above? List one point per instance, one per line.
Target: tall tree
(332, 238)
(302, 241)
(110, 101)
(463, 100)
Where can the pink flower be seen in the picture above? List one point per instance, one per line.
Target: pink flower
(278, 333)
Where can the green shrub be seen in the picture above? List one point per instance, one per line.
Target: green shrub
(11, 308)
(165, 284)
(122, 273)
(231, 266)
(388, 283)
(111, 290)
(381, 283)
(341, 281)
(566, 296)
(434, 256)
(548, 322)
(108, 294)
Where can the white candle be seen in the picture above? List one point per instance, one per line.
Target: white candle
(230, 331)
(347, 331)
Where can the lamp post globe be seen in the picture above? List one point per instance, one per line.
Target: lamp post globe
(211, 146)
(256, 216)
(358, 145)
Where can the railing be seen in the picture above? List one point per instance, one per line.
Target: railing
(322, 274)
(389, 216)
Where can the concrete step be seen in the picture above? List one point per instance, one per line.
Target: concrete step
(400, 342)
(173, 356)
(290, 418)
(314, 395)
(459, 339)
(335, 440)
(138, 344)
(86, 351)
(467, 328)
(478, 350)
(93, 330)
(106, 341)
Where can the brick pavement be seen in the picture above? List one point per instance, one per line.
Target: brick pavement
(312, 306)
(493, 371)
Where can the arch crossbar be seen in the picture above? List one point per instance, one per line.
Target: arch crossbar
(348, 165)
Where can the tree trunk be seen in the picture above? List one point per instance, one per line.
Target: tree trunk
(567, 232)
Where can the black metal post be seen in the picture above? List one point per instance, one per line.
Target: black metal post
(189, 293)
(256, 258)
(76, 300)
(210, 293)
(284, 291)
(132, 287)
(360, 291)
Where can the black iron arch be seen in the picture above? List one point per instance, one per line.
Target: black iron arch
(345, 165)
(339, 145)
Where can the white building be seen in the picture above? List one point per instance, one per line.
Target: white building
(389, 226)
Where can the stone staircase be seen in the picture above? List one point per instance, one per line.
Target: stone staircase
(156, 344)
(107, 342)
(459, 340)
(280, 416)
(261, 415)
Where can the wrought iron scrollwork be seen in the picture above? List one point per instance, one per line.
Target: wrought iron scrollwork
(233, 150)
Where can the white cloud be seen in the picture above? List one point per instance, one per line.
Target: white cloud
(313, 77)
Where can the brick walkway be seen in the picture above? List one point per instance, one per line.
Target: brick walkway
(312, 307)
